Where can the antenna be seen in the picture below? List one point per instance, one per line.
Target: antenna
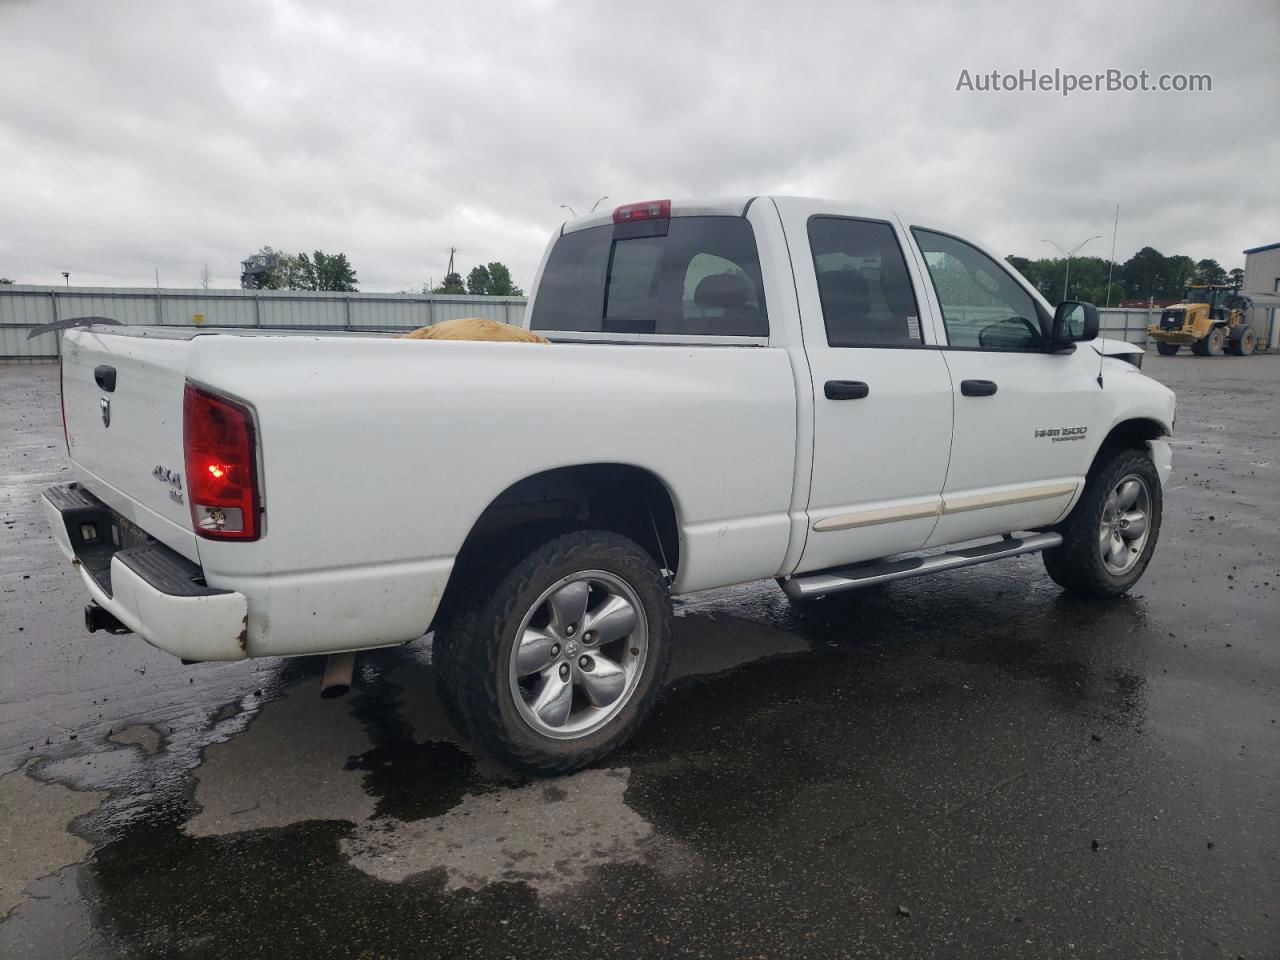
(1111, 269)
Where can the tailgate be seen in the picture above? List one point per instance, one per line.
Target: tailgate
(122, 398)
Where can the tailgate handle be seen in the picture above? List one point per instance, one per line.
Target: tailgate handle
(104, 375)
(845, 389)
(977, 388)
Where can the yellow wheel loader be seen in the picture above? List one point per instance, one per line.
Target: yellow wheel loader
(1210, 319)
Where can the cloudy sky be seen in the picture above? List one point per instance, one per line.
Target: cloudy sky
(166, 135)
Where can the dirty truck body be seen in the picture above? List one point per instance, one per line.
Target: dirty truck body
(735, 389)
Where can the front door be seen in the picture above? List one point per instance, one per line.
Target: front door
(881, 394)
(1020, 446)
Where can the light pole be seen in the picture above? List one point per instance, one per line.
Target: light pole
(66, 276)
(1071, 253)
(598, 202)
(572, 212)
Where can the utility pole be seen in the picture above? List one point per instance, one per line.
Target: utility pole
(1111, 269)
(452, 251)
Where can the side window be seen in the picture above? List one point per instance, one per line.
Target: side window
(689, 276)
(866, 294)
(982, 306)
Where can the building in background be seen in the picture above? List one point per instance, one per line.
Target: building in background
(1262, 275)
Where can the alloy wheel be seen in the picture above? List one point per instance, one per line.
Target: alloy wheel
(579, 654)
(1126, 517)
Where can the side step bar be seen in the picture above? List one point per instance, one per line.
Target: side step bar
(882, 571)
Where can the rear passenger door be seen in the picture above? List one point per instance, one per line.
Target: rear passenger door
(882, 397)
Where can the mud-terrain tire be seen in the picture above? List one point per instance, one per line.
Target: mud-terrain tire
(595, 598)
(1101, 555)
(1211, 345)
(1167, 349)
(1243, 341)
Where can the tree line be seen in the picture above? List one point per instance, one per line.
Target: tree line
(320, 271)
(323, 271)
(1147, 274)
(484, 280)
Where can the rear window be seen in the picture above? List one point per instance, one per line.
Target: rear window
(701, 277)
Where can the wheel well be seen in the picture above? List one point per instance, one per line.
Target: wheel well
(1131, 433)
(608, 496)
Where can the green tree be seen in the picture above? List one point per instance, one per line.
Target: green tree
(1145, 273)
(6, 281)
(1236, 278)
(452, 284)
(478, 281)
(320, 271)
(296, 273)
(500, 283)
(333, 271)
(1210, 271)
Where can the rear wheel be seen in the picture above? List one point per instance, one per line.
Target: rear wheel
(561, 661)
(1110, 535)
(1166, 349)
(1245, 343)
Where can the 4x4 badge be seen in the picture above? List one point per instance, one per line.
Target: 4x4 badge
(105, 403)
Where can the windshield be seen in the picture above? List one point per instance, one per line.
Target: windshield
(1209, 295)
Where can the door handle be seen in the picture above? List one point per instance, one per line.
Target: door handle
(845, 389)
(978, 388)
(104, 375)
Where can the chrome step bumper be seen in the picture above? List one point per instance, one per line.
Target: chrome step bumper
(882, 571)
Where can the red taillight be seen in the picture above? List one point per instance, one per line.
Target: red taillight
(649, 210)
(222, 466)
(62, 402)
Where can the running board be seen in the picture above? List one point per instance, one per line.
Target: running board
(882, 571)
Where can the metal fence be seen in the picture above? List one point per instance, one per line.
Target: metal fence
(1130, 325)
(23, 307)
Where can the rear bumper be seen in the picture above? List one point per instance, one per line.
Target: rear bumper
(155, 592)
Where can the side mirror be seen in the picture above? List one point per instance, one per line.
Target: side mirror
(1074, 322)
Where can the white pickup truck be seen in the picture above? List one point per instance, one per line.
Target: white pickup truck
(735, 389)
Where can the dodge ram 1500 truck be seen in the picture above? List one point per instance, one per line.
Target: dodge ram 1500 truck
(735, 389)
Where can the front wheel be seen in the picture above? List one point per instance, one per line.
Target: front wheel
(1245, 343)
(1111, 533)
(1212, 344)
(562, 660)
(1166, 349)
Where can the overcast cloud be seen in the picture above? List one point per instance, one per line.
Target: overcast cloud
(137, 136)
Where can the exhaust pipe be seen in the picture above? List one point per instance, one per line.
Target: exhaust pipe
(337, 675)
(96, 618)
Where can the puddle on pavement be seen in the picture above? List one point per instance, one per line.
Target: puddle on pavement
(550, 835)
(35, 830)
(288, 765)
(139, 735)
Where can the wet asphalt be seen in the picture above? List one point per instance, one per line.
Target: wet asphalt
(973, 765)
